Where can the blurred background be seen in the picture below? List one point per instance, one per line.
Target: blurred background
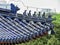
(34, 4)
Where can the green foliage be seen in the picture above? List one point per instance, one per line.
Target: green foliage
(48, 39)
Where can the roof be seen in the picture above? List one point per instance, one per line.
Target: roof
(18, 29)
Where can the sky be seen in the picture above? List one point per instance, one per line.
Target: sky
(22, 4)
